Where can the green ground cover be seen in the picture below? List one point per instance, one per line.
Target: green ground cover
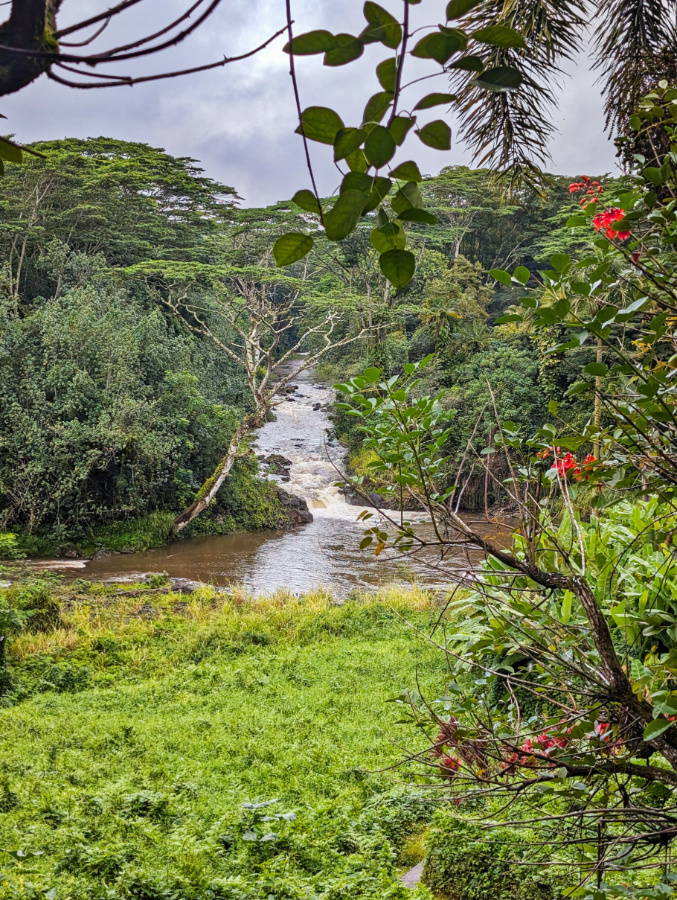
(135, 732)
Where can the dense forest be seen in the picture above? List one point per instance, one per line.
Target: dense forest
(114, 412)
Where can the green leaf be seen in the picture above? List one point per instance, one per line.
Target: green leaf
(382, 26)
(380, 189)
(307, 200)
(407, 171)
(561, 262)
(342, 218)
(357, 181)
(347, 140)
(291, 247)
(384, 239)
(656, 729)
(458, 8)
(357, 161)
(597, 369)
(377, 106)
(468, 64)
(509, 317)
(502, 78)
(440, 47)
(398, 266)
(386, 72)
(10, 151)
(654, 175)
(577, 221)
(312, 42)
(380, 146)
(400, 128)
(349, 48)
(436, 134)
(435, 100)
(418, 215)
(320, 124)
(500, 36)
(502, 276)
(521, 274)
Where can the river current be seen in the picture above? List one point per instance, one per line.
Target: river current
(323, 553)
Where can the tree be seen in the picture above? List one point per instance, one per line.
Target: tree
(561, 708)
(33, 44)
(254, 317)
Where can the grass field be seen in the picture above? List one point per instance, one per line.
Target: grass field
(144, 732)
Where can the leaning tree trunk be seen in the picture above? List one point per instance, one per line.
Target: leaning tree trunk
(210, 488)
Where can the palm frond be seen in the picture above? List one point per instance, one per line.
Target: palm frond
(635, 48)
(511, 130)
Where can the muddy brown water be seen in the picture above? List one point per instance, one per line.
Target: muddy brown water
(325, 552)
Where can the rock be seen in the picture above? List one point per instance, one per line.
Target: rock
(101, 554)
(71, 552)
(317, 406)
(184, 585)
(297, 508)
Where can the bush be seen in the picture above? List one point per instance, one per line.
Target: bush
(34, 598)
(9, 546)
(465, 862)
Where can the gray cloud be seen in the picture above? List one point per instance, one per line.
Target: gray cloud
(239, 120)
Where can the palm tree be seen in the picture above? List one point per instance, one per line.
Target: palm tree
(633, 44)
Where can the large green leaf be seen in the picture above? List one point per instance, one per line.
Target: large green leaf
(388, 237)
(468, 64)
(292, 247)
(501, 78)
(407, 171)
(347, 140)
(418, 215)
(320, 124)
(342, 218)
(398, 266)
(400, 128)
(458, 8)
(377, 106)
(436, 134)
(312, 42)
(10, 151)
(435, 100)
(386, 72)
(306, 200)
(349, 48)
(357, 181)
(500, 36)
(438, 46)
(656, 729)
(382, 27)
(380, 146)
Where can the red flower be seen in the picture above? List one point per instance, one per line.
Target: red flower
(604, 221)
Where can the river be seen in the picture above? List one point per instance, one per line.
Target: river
(323, 553)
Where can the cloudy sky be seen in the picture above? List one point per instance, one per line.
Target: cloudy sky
(240, 120)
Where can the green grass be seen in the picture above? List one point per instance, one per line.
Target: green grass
(141, 734)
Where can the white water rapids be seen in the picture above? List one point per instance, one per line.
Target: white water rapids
(324, 553)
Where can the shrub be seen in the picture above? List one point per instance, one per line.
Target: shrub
(465, 862)
(35, 599)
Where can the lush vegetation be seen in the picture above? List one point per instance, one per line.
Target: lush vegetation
(155, 745)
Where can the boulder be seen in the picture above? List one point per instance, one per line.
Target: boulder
(297, 508)
(184, 585)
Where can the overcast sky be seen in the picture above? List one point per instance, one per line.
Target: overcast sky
(240, 120)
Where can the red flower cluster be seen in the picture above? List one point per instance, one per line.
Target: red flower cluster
(603, 222)
(449, 766)
(592, 189)
(568, 463)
